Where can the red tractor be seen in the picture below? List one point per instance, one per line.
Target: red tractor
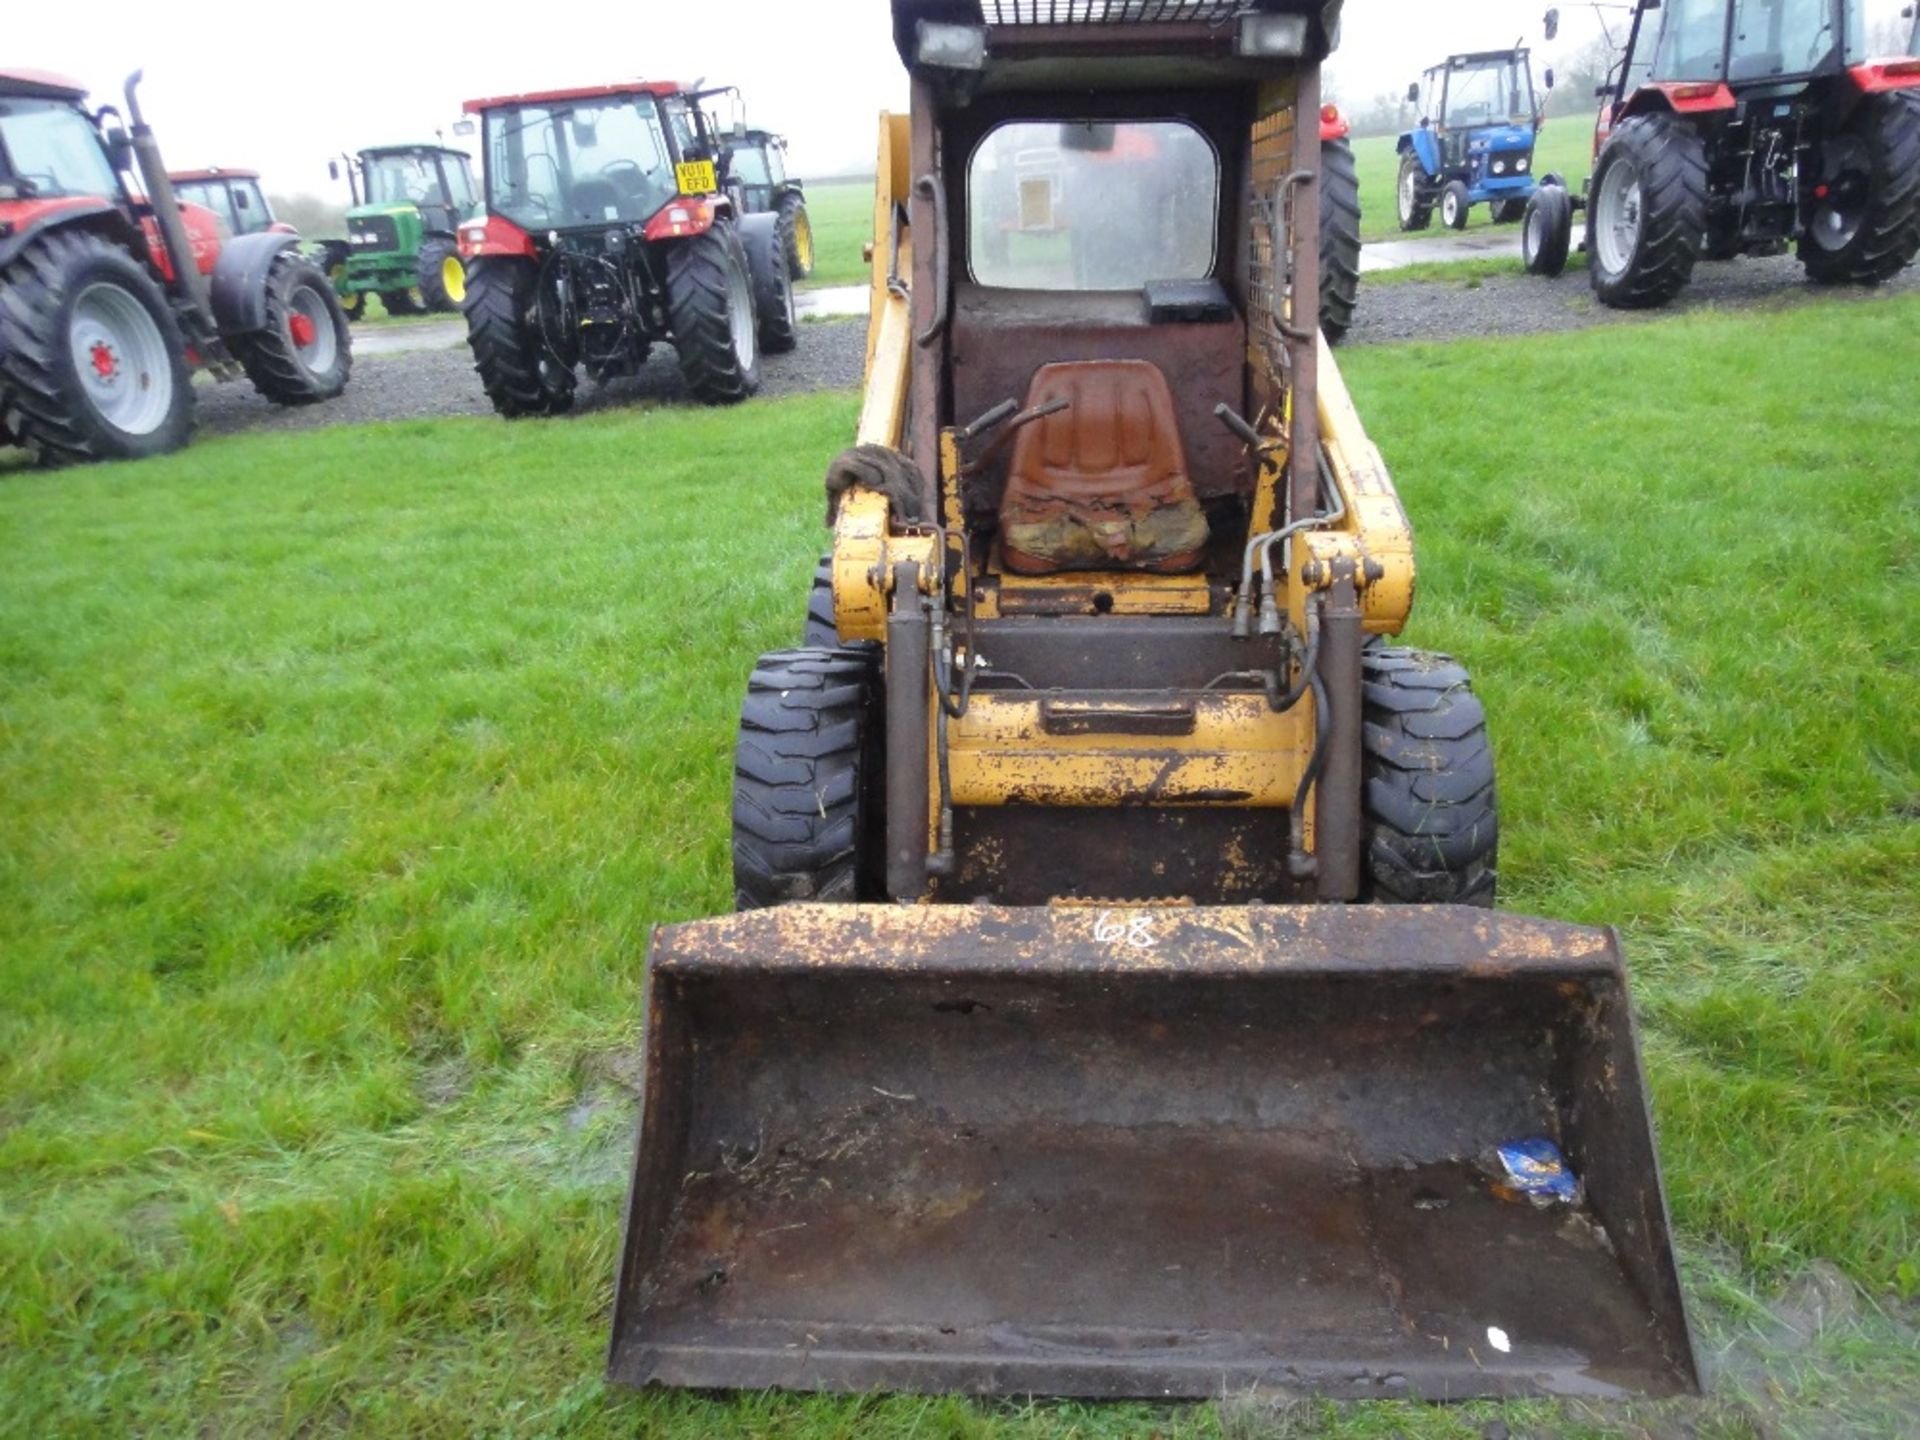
(1732, 130)
(112, 293)
(605, 232)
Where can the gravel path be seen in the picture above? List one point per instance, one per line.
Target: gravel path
(1523, 305)
(429, 383)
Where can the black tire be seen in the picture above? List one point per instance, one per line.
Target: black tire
(804, 774)
(439, 297)
(1881, 231)
(1456, 209)
(44, 401)
(773, 304)
(304, 353)
(821, 631)
(796, 230)
(353, 306)
(1433, 820)
(401, 302)
(1546, 232)
(1339, 238)
(1669, 160)
(520, 378)
(1509, 212)
(1414, 194)
(711, 309)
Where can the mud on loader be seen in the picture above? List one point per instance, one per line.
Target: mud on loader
(1115, 1006)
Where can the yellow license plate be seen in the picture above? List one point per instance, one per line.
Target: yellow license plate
(696, 177)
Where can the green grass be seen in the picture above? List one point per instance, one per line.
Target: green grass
(341, 774)
(1565, 146)
(842, 215)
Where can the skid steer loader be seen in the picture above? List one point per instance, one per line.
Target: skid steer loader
(1116, 1007)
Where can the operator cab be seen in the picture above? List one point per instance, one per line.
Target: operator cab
(234, 197)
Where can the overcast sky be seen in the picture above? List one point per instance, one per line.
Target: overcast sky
(280, 87)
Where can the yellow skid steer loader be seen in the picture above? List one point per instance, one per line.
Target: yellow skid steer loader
(1116, 1006)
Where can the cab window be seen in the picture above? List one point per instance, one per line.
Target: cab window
(1092, 205)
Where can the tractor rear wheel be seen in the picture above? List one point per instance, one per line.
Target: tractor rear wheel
(805, 769)
(711, 309)
(1456, 205)
(443, 279)
(518, 375)
(1647, 218)
(1546, 231)
(1433, 822)
(1416, 194)
(1866, 228)
(773, 304)
(796, 228)
(304, 353)
(1339, 238)
(92, 362)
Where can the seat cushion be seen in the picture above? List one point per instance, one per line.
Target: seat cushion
(1102, 485)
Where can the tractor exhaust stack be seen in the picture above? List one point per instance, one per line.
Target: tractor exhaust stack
(1144, 1153)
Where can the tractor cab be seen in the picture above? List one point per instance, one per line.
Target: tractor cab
(755, 165)
(577, 161)
(1479, 117)
(234, 197)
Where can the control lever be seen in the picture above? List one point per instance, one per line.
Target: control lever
(1011, 423)
(1237, 423)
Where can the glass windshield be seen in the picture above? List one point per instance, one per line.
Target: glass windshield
(750, 166)
(1693, 41)
(459, 181)
(402, 179)
(1092, 206)
(578, 163)
(1490, 92)
(1781, 37)
(52, 151)
(211, 195)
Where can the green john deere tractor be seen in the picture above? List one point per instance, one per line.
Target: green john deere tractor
(400, 245)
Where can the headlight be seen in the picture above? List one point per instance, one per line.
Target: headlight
(1499, 167)
(1522, 165)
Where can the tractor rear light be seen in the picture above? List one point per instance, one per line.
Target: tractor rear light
(1330, 114)
(1694, 92)
(681, 219)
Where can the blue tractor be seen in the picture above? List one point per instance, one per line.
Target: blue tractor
(1474, 145)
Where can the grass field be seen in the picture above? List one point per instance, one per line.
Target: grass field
(1565, 146)
(341, 775)
(842, 215)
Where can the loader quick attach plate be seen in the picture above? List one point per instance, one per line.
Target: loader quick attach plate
(1142, 1152)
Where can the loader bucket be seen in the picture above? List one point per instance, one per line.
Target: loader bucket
(1143, 1153)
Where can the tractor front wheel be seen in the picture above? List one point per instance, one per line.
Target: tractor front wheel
(1546, 231)
(796, 229)
(443, 279)
(1339, 238)
(1647, 218)
(1456, 205)
(1433, 823)
(503, 332)
(710, 304)
(92, 363)
(304, 353)
(1865, 227)
(805, 773)
(1415, 194)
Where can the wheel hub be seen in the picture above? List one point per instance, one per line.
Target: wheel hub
(106, 364)
(302, 330)
(116, 350)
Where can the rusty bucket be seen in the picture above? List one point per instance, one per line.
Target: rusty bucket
(1137, 1153)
